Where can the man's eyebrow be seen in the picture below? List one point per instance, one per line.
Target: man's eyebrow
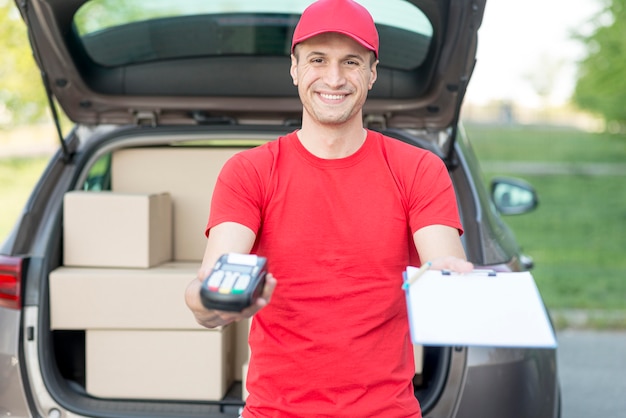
(354, 56)
(315, 53)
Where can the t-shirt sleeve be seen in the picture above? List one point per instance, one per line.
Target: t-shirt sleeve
(432, 198)
(238, 193)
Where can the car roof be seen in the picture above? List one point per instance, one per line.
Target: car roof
(177, 61)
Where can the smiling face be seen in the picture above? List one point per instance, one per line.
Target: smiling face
(333, 74)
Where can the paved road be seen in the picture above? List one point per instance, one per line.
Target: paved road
(592, 369)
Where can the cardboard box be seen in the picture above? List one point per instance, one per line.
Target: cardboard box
(188, 174)
(418, 358)
(244, 390)
(242, 349)
(108, 298)
(105, 229)
(163, 365)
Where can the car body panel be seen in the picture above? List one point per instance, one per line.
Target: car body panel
(12, 397)
(524, 384)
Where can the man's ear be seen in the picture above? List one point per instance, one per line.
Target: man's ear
(294, 69)
(374, 70)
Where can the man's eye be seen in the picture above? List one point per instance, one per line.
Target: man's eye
(317, 60)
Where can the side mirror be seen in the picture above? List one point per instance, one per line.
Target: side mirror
(513, 196)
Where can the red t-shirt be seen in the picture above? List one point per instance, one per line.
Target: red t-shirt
(334, 340)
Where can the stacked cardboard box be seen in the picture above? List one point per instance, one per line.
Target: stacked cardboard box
(120, 285)
(188, 174)
(107, 229)
(159, 364)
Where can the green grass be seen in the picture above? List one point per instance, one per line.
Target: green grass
(18, 176)
(531, 143)
(577, 238)
(577, 235)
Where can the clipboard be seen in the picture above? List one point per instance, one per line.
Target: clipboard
(486, 308)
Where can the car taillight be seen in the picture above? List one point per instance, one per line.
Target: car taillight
(10, 282)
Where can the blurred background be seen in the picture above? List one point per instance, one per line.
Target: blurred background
(546, 103)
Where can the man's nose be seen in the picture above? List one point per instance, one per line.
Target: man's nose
(334, 75)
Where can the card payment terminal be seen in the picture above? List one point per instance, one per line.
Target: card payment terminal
(235, 282)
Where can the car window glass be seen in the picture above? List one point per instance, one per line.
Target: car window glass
(119, 32)
(99, 177)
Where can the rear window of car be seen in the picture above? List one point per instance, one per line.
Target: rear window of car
(120, 32)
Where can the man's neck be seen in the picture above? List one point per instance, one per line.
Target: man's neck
(332, 141)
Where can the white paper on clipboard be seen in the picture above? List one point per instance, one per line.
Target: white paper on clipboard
(476, 309)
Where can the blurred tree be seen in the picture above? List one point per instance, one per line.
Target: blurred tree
(601, 84)
(98, 15)
(22, 96)
(543, 79)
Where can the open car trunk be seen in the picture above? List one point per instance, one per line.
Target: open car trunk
(121, 341)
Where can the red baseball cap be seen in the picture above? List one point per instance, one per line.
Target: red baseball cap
(342, 16)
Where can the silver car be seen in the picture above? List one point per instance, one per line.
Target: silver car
(92, 277)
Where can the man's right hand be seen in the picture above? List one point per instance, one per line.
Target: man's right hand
(213, 318)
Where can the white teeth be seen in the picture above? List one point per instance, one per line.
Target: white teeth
(332, 96)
